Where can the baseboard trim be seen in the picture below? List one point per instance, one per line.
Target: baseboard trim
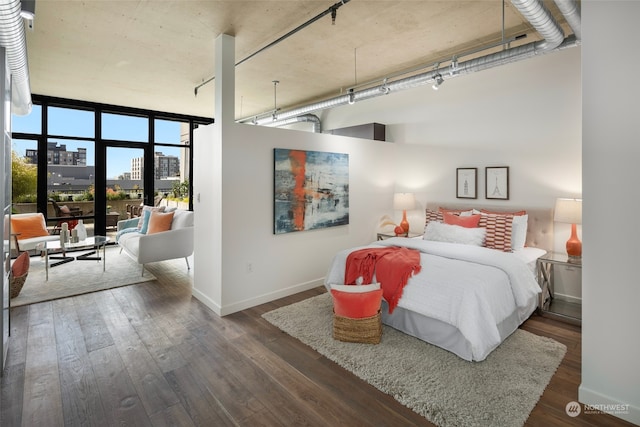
(268, 297)
(568, 298)
(211, 304)
(597, 402)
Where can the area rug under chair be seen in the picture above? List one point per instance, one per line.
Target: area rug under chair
(448, 391)
(79, 277)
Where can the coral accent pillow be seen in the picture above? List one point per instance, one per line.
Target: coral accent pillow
(470, 221)
(159, 222)
(29, 227)
(146, 208)
(458, 212)
(356, 305)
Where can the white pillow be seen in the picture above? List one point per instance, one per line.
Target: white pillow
(441, 232)
(519, 231)
(356, 289)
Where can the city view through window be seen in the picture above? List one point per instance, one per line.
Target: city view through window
(75, 158)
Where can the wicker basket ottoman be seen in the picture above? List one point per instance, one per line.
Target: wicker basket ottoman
(367, 330)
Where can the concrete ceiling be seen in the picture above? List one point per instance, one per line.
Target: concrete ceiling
(152, 54)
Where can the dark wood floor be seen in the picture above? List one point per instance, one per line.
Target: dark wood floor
(150, 354)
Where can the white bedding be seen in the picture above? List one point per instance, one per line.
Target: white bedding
(470, 288)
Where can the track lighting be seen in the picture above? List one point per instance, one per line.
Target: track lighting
(352, 97)
(437, 81)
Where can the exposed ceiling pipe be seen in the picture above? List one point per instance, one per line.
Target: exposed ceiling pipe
(305, 118)
(571, 13)
(532, 10)
(12, 37)
(333, 10)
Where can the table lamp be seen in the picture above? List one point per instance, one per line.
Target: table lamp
(404, 202)
(569, 211)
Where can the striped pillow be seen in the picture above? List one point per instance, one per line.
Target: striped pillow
(433, 216)
(498, 231)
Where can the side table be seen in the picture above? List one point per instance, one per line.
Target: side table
(548, 304)
(383, 236)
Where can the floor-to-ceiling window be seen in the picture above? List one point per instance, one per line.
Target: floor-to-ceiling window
(171, 161)
(94, 159)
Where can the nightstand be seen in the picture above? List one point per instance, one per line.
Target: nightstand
(383, 236)
(550, 304)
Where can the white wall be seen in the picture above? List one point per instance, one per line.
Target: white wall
(525, 115)
(284, 264)
(541, 95)
(611, 151)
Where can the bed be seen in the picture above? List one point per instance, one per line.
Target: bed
(466, 299)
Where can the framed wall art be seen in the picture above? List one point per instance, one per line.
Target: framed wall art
(497, 182)
(467, 183)
(311, 190)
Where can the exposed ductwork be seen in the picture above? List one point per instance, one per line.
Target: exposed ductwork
(544, 23)
(571, 13)
(12, 37)
(305, 118)
(533, 10)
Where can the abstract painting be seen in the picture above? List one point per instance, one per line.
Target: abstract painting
(311, 190)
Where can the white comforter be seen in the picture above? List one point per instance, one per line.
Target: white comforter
(469, 287)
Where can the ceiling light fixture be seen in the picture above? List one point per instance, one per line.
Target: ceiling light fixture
(453, 67)
(384, 88)
(275, 103)
(28, 12)
(352, 97)
(28, 9)
(437, 81)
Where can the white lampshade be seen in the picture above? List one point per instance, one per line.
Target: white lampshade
(568, 211)
(404, 201)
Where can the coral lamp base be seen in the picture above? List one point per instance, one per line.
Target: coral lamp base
(574, 245)
(404, 223)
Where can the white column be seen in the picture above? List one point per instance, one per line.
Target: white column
(208, 178)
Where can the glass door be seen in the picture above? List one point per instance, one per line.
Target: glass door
(125, 184)
(70, 183)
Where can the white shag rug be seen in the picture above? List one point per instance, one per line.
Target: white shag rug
(499, 391)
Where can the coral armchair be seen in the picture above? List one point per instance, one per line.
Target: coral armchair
(28, 231)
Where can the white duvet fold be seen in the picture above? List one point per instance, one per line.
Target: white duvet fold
(469, 287)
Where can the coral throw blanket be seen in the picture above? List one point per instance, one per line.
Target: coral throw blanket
(393, 266)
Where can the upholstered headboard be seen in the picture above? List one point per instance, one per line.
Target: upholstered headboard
(540, 222)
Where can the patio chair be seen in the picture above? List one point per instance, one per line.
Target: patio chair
(62, 213)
